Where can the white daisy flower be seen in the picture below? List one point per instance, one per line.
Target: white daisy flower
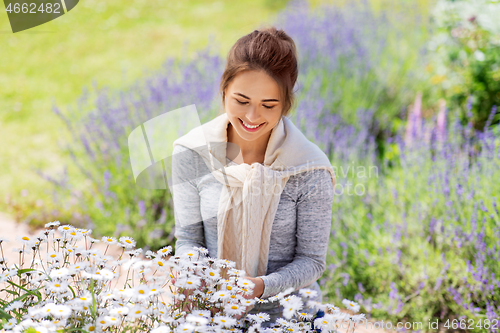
(14, 306)
(109, 240)
(259, 317)
(54, 256)
(234, 309)
(197, 319)
(159, 263)
(304, 315)
(60, 311)
(57, 287)
(202, 313)
(138, 311)
(161, 329)
(237, 272)
(358, 318)
(211, 274)
(73, 234)
(86, 298)
(128, 242)
(65, 228)
(202, 250)
(106, 274)
(245, 283)
(221, 295)
(90, 328)
(112, 320)
(164, 251)
(188, 282)
(350, 305)
(10, 324)
(59, 273)
(52, 224)
(305, 292)
(224, 321)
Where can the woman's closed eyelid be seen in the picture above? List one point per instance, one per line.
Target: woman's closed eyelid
(244, 103)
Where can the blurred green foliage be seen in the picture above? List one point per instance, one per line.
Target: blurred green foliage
(466, 61)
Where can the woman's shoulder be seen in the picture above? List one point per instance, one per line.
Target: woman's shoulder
(313, 181)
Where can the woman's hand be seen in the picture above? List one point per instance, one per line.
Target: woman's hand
(258, 290)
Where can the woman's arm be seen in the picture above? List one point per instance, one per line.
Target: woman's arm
(189, 229)
(314, 218)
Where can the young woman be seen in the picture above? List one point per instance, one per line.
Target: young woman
(249, 186)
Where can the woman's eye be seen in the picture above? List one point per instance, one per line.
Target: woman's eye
(269, 107)
(243, 103)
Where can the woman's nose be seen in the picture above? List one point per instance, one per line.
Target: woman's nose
(253, 115)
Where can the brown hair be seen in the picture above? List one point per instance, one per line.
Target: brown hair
(270, 50)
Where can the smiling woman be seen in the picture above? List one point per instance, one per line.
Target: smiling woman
(269, 209)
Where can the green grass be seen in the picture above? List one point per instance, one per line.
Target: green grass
(105, 42)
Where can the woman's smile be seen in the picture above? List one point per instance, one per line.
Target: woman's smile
(251, 128)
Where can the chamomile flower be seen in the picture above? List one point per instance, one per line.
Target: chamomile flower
(196, 319)
(14, 306)
(73, 234)
(10, 324)
(59, 273)
(26, 240)
(188, 282)
(350, 305)
(304, 315)
(259, 317)
(90, 328)
(201, 250)
(106, 274)
(138, 311)
(305, 292)
(128, 242)
(57, 287)
(165, 251)
(112, 320)
(65, 228)
(211, 274)
(109, 240)
(237, 272)
(202, 313)
(224, 321)
(234, 309)
(85, 298)
(221, 295)
(159, 263)
(142, 291)
(52, 224)
(245, 283)
(358, 318)
(248, 302)
(54, 256)
(161, 329)
(223, 263)
(60, 311)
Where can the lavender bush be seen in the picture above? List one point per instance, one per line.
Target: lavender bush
(422, 241)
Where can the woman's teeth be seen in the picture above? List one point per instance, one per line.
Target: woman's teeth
(249, 126)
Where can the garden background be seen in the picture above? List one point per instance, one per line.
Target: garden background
(401, 95)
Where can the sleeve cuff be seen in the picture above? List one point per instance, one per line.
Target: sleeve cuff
(269, 288)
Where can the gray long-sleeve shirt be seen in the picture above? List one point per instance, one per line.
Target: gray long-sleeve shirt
(299, 235)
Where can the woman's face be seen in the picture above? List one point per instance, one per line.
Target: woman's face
(252, 97)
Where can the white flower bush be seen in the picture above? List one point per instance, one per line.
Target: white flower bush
(63, 284)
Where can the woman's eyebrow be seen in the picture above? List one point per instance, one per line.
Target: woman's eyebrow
(264, 100)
